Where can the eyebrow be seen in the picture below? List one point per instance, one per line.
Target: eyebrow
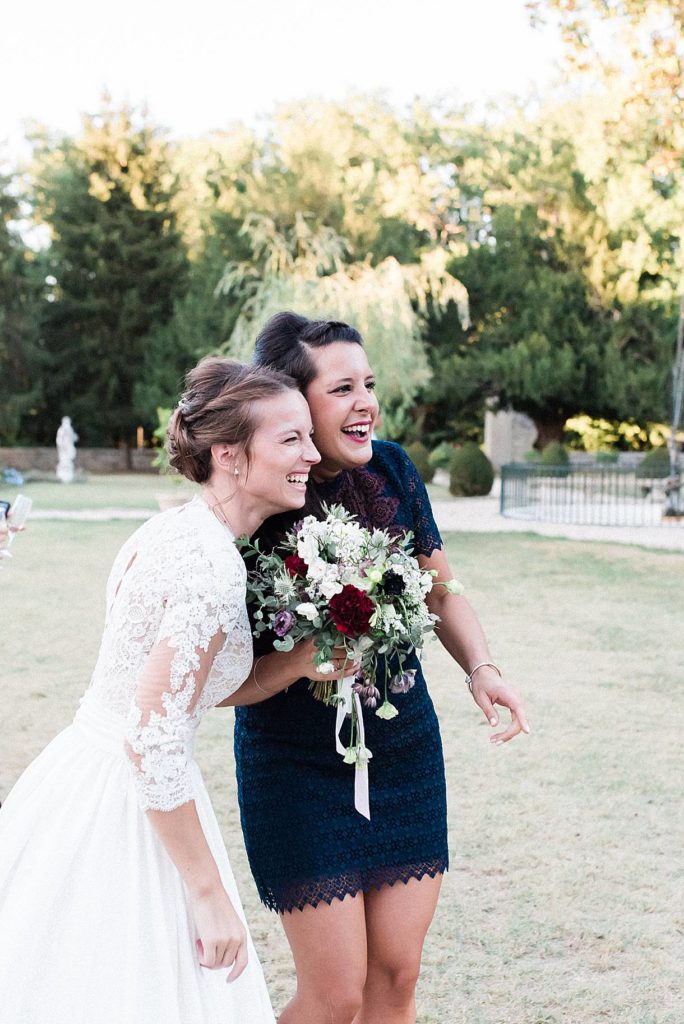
(350, 380)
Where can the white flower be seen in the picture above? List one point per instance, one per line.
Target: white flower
(326, 668)
(329, 588)
(307, 610)
(308, 548)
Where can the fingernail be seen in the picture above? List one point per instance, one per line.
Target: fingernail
(492, 721)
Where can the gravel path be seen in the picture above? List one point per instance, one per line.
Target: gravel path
(462, 515)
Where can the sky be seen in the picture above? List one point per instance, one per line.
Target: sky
(202, 64)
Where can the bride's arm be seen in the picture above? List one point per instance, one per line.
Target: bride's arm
(221, 932)
(160, 729)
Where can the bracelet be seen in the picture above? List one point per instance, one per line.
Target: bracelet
(256, 683)
(480, 664)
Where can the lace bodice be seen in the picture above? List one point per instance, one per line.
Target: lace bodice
(176, 642)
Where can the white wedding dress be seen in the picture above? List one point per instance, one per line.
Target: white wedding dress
(95, 926)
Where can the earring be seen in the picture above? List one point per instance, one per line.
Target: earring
(236, 471)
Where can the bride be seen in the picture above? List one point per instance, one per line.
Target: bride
(117, 900)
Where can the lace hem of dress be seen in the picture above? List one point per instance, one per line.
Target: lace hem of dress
(325, 890)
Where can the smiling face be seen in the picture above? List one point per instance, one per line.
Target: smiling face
(281, 454)
(344, 408)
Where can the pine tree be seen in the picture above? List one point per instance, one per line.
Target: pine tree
(117, 262)
(22, 360)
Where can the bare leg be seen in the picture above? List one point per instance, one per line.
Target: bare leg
(397, 920)
(328, 944)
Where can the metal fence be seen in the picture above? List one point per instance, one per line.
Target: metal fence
(585, 495)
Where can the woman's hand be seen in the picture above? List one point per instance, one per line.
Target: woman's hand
(274, 672)
(222, 937)
(303, 655)
(489, 689)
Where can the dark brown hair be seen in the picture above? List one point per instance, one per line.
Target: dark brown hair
(283, 343)
(217, 407)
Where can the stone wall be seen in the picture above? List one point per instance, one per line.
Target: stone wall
(88, 460)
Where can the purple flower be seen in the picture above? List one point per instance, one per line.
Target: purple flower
(370, 695)
(283, 622)
(403, 681)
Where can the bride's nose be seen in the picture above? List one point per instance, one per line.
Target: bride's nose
(311, 453)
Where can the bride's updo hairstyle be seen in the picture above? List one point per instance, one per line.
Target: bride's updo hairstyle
(217, 407)
(285, 341)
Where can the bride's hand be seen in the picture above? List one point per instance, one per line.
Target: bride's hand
(222, 937)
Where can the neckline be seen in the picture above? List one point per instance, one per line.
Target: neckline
(226, 530)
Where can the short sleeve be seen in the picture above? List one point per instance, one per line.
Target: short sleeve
(198, 615)
(425, 533)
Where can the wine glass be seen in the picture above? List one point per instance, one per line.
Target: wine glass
(4, 534)
(18, 515)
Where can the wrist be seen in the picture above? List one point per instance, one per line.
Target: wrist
(481, 671)
(205, 889)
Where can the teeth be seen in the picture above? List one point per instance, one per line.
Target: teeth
(295, 479)
(359, 431)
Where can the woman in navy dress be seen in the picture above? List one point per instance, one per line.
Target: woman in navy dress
(356, 896)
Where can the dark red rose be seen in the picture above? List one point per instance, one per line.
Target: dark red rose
(351, 611)
(296, 566)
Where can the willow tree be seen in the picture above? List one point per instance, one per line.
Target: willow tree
(344, 215)
(387, 302)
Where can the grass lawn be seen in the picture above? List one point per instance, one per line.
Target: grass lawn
(114, 490)
(564, 902)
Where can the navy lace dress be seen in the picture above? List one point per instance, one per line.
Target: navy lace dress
(305, 840)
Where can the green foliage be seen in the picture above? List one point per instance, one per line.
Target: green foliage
(655, 464)
(631, 52)
(161, 458)
(470, 471)
(22, 359)
(554, 454)
(571, 276)
(420, 457)
(117, 265)
(342, 216)
(440, 457)
(568, 242)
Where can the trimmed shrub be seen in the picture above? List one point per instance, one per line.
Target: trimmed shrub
(420, 457)
(470, 471)
(554, 455)
(654, 465)
(440, 457)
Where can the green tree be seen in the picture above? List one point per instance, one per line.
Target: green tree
(570, 265)
(633, 51)
(117, 262)
(22, 360)
(343, 215)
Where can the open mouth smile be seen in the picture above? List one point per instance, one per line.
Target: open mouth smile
(358, 432)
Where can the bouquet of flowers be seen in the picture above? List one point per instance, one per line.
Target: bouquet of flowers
(347, 586)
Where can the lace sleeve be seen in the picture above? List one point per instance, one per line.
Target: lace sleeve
(426, 535)
(162, 718)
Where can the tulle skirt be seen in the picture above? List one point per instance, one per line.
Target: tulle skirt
(94, 919)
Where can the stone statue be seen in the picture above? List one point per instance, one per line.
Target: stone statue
(66, 450)
(507, 435)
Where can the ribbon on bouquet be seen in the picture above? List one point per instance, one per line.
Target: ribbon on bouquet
(347, 704)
